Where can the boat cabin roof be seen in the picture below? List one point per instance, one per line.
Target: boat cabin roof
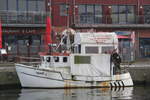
(95, 38)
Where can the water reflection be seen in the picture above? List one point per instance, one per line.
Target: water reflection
(125, 93)
(136, 93)
(76, 94)
(9, 94)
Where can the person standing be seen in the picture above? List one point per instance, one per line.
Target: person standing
(116, 59)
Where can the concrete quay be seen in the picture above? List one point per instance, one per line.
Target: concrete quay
(140, 71)
(140, 74)
(8, 76)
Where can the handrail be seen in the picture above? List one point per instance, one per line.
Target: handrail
(20, 17)
(108, 19)
(28, 60)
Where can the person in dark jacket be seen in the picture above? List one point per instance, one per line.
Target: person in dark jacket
(116, 59)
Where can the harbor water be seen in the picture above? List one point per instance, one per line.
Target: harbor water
(128, 93)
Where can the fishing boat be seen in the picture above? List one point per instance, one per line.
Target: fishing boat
(81, 59)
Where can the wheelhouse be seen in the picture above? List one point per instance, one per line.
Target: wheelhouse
(55, 61)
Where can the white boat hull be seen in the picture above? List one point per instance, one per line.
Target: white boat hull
(33, 77)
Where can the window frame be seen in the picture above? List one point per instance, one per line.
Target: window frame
(126, 14)
(146, 15)
(63, 9)
(56, 59)
(86, 17)
(65, 59)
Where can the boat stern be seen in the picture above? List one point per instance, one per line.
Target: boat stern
(123, 79)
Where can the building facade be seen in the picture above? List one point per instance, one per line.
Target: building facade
(129, 18)
(23, 26)
(23, 23)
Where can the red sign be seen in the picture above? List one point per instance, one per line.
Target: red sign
(23, 30)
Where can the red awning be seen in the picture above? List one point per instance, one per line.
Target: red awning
(47, 36)
(122, 37)
(48, 31)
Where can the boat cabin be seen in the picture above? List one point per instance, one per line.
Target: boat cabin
(95, 43)
(55, 61)
(90, 50)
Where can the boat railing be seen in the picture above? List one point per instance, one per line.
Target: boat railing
(28, 60)
(123, 69)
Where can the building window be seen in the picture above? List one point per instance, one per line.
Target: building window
(90, 14)
(145, 47)
(12, 5)
(98, 14)
(122, 14)
(114, 14)
(130, 14)
(147, 14)
(63, 10)
(22, 5)
(3, 4)
(31, 5)
(40, 5)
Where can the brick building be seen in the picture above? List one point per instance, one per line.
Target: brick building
(23, 25)
(23, 22)
(124, 17)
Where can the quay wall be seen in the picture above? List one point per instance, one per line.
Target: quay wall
(8, 76)
(140, 75)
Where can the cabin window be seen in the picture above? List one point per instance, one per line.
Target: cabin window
(79, 48)
(56, 59)
(91, 49)
(42, 58)
(75, 49)
(65, 59)
(48, 59)
(107, 49)
(82, 59)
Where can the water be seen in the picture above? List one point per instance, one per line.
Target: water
(129, 93)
